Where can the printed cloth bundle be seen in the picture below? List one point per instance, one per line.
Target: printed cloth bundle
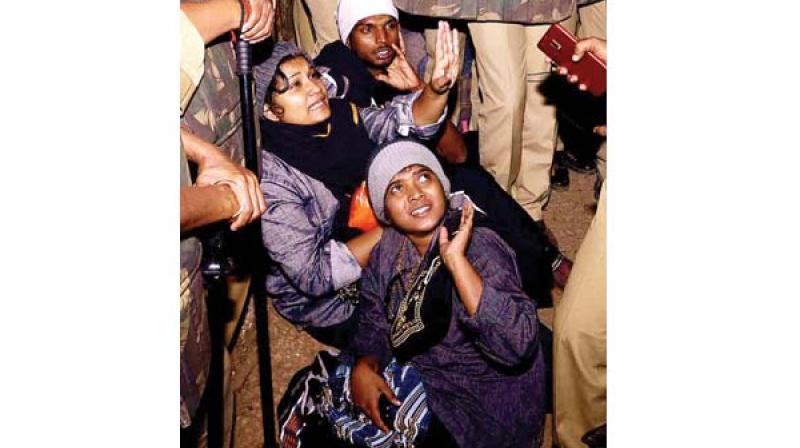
(317, 409)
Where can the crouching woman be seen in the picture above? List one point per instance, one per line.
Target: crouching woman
(448, 302)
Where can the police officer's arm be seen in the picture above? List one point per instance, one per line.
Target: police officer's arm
(215, 17)
(205, 205)
(216, 168)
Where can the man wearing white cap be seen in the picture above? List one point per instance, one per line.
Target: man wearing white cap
(370, 57)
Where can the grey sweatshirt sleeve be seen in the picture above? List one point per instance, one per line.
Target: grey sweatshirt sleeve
(395, 119)
(311, 260)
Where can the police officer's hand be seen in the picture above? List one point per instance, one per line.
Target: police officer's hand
(367, 386)
(597, 47)
(245, 186)
(258, 25)
(214, 167)
(592, 44)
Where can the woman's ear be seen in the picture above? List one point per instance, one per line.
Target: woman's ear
(270, 112)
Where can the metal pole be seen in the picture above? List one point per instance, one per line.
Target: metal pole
(252, 162)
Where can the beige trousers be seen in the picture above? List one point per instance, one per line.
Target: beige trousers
(592, 20)
(315, 24)
(579, 339)
(517, 129)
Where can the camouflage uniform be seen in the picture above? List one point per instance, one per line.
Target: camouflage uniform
(194, 331)
(214, 114)
(195, 340)
(510, 11)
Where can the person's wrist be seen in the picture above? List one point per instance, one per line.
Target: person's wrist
(453, 260)
(235, 14)
(367, 362)
(440, 91)
(232, 206)
(210, 155)
(419, 85)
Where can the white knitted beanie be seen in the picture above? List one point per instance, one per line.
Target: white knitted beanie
(392, 159)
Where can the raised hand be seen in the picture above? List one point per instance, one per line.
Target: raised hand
(446, 59)
(399, 74)
(453, 251)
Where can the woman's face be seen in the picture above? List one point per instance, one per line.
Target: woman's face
(414, 201)
(305, 100)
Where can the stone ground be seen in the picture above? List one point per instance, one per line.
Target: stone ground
(567, 215)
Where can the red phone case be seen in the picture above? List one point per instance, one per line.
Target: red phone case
(559, 45)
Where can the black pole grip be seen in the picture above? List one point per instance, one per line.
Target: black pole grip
(245, 68)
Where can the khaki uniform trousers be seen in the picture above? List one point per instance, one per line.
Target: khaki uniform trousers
(592, 20)
(315, 24)
(579, 339)
(517, 129)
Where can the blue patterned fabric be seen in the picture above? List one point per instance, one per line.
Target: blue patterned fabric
(318, 407)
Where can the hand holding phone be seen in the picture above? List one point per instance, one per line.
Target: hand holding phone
(385, 409)
(559, 45)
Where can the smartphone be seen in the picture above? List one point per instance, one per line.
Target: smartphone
(385, 408)
(559, 45)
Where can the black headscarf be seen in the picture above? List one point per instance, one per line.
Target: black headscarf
(334, 152)
(363, 88)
